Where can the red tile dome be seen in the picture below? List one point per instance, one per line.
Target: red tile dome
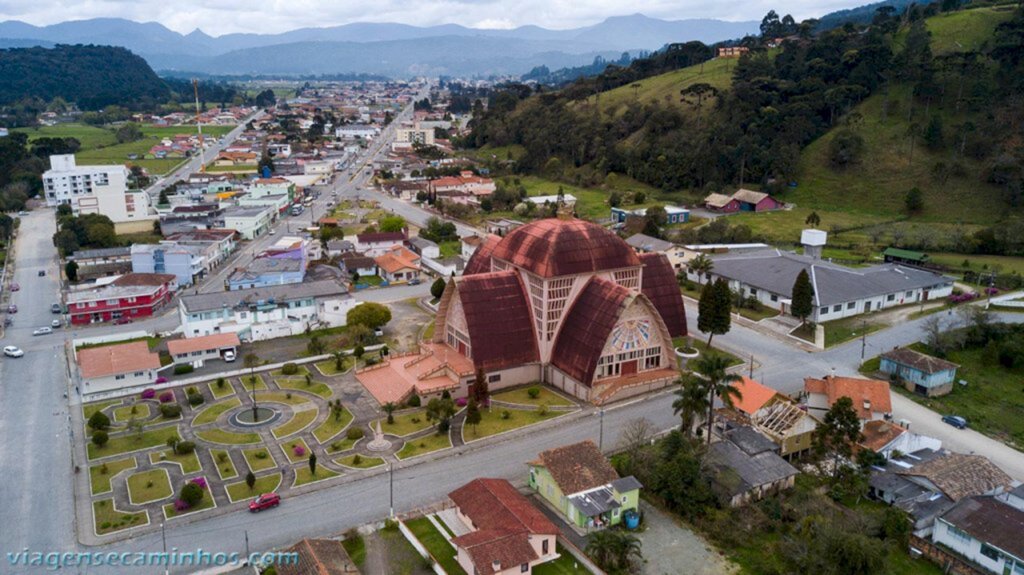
(556, 247)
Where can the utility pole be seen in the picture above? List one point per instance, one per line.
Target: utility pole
(247, 547)
(391, 490)
(600, 437)
(163, 537)
(751, 366)
(863, 338)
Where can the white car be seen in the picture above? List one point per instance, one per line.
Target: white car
(12, 351)
(42, 331)
(55, 323)
(229, 356)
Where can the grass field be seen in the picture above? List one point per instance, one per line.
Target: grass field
(225, 437)
(426, 444)
(846, 329)
(89, 409)
(220, 392)
(965, 30)
(107, 519)
(240, 491)
(99, 481)
(521, 395)
(124, 413)
(132, 442)
(404, 424)
(592, 203)
(299, 421)
(666, 87)
(566, 564)
(492, 421)
(253, 382)
(436, 544)
(329, 367)
(212, 412)
(304, 476)
(206, 503)
(297, 382)
(289, 450)
(281, 397)
(148, 486)
(256, 464)
(363, 463)
(332, 426)
(189, 462)
(225, 469)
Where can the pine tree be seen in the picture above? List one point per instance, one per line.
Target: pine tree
(705, 306)
(473, 416)
(312, 463)
(803, 297)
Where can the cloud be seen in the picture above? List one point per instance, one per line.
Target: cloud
(217, 17)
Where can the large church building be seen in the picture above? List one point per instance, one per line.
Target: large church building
(561, 301)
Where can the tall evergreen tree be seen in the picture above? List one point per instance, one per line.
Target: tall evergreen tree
(803, 297)
(838, 432)
(715, 316)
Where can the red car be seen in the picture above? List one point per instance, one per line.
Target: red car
(122, 320)
(265, 501)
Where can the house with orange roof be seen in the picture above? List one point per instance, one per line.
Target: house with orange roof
(774, 415)
(112, 367)
(871, 399)
(398, 265)
(887, 438)
(318, 557)
(195, 351)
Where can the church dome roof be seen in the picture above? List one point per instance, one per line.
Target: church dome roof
(555, 247)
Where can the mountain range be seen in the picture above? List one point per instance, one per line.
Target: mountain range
(397, 50)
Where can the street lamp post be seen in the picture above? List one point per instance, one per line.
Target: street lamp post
(391, 490)
(600, 436)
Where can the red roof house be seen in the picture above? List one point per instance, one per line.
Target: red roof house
(870, 397)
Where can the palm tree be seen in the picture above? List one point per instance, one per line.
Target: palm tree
(389, 408)
(691, 401)
(613, 550)
(339, 360)
(712, 367)
(700, 266)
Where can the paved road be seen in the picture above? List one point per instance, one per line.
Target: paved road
(37, 507)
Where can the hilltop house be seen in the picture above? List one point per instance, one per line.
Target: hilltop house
(582, 485)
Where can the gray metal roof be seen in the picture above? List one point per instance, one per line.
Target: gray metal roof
(249, 297)
(750, 441)
(739, 472)
(646, 243)
(775, 271)
(595, 501)
(626, 484)
(101, 253)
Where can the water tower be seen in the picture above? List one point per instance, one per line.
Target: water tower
(813, 241)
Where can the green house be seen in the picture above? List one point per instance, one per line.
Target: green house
(580, 482)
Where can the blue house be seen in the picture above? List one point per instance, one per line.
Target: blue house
(919, 372)
(675, 215)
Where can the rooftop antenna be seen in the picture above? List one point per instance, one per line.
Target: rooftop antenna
(199, 126)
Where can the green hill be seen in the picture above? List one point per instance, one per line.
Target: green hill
(666, 87)
(965, 30)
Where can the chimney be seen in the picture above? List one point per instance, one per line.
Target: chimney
(813, 242)
(496, 566)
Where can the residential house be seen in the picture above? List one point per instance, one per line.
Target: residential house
(504, 533)
(267, 271)
(317, 557)
(775, 415)
(424, 247)
(445, 267)
(186, 262)
(919, 372)
(746, 466)
(742, 200)
(102, 262)
(721, 203)
(871, 399)
(398, 265)
(268, 312)
(263, 187)
(987, 530)
(251, 222)
(131, 296)
(676, 215)
(236, 159)
(582, 485)
(356, 131)
(464, 188)
(195, 351)
(113, 367)
(888, 438)
(567, 200)
(222, 241)
(357, 265)
(378, 243)
(732, 51)
(337, 247)
(469, 245)
(501, 227)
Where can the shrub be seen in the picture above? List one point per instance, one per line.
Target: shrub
(221, 383)
(170, 410)
(415, 420)
(355, 433)
(372, 361)
(183, 368)
(250, 479)
(100, 438)
(262, 455)
(180, 505)
(461, 402)
(172, 442)
(148, 393)
(533, 392)
(356, 459)
(222, 457)
(99, 421)
(288, 395)
(191, 390)
(506, 414)
(444, 425)
(299, 450)
(191, 494)
(543, 409)
(336, 446)
(414, 401)
(200, 481)
(196, 399)
(161, 379)
(289, 369)
(167, 396)
(184, 447)
(104, 469)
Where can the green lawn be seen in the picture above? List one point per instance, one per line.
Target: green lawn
(846, 329)
(239, 491)
(666, 87)
(219, 392)
(282, 397)
(106, 519)
(592, 203)
(404, 423)
(299, 421)
(564, 565)
(301, 373)
(436, 544)
(99, 481)
(521, 395)
(492, 421)
(762, 312)
(304, 476)
(370, 280)
(289, 450)
(225, 469)
(91, 137)
(88, 409)
(449, 249)
(701, 344)
(207, 503)
(257, 464)
(317, 387)
(189, 462)
(225, 437)
(151, 341)
(328, 367)
(363, 463)
(215, 410)
(356, 549)
(992, 401)
(148, 486)
(126, 442)
(423, 445)
(1000, 264)
(332, 426)
(785, 226)
(247, 384)
(124, 413)
(343, 444)
(964, 30)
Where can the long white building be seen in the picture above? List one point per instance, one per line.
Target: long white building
(98, 190)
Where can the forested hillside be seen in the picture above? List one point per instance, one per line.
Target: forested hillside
(91, 76)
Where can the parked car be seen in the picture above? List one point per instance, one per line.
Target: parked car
(42, 331)
(15, 287)
(22, 213)
(56, 308)
(12, 308)
(955, 420)
(55, 324)
(229, 356)
(122, 320)
(265, 501)
(415, 282)
(12, 351)
(42, 273)
(8, 321)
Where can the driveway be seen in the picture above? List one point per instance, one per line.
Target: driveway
(672, 548)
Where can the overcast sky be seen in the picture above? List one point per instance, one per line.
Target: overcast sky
(218, 17)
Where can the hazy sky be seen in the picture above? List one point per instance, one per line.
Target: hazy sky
(217, 17)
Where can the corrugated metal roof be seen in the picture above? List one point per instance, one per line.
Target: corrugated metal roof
(554, 247)
(480, 261)
(586, 328)
(660, 286)
(498, 318)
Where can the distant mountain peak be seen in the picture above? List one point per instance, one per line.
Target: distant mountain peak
(198, 34)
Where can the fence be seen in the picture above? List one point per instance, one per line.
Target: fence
(950, 563)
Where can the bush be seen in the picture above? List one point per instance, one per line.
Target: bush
(289, 369)
(299, 450)
(167, 396)
(161, 379)
(184, 447)
(461, 402)
(221, 383)
(99, 421)
(533, 392)
(100, 438)
(356, 459)
(444, 425)
(414, 401)
(170, 410)
(506, 414)
(222, 457)
(261, 455)
(196, 399)
(191, 390)
(336, 446)
(543, 409)
(191, 494)
(183, 368)
(148, 393)
(355, 433)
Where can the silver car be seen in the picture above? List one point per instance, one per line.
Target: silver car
(42, 331)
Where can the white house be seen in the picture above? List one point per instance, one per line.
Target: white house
(266, 312)
(352, 131)
(98, 190)
(196, 351)
(113, 367)
(250, 222)
(569, 199)
(987, 530)
(378, 243)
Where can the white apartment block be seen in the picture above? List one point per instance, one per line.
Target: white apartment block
(98, 190)
(415, 135)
